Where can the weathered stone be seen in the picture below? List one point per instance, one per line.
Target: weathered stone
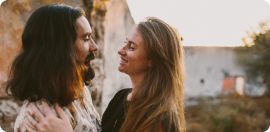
(48, 2)
(11, 28)
(97, 22)
(97, 83)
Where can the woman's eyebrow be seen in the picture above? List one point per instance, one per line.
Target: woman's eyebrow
(131, 41)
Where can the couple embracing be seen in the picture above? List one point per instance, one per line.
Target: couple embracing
(51, 73)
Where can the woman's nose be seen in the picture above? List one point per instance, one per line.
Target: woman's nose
(122, 52)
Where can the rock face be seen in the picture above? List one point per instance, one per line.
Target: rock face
(110, 22)
(11, 26)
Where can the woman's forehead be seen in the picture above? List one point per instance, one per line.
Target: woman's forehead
(135, 37)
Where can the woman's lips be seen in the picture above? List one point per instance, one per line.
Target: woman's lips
(123, 61)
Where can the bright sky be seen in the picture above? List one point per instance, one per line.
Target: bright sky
(205, 22)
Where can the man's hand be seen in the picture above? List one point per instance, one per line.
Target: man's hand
(49, 123)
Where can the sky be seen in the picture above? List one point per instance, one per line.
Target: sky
(205, 22)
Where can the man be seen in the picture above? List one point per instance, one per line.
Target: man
(53, 65)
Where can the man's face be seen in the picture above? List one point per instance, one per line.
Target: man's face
(85, 46)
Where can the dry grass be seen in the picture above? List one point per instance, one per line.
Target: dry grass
(232, 113)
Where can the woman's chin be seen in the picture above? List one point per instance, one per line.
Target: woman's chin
(120, 69)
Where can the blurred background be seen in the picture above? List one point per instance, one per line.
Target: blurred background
(227, 56)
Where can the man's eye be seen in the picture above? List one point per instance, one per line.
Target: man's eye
(85, 40)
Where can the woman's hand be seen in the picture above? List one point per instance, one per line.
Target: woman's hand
(49, 123)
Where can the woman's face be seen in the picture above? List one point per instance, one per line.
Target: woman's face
(134, 61)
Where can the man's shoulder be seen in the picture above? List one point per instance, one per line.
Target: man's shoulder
(21, 119)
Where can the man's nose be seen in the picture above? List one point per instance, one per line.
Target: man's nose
(93, 47)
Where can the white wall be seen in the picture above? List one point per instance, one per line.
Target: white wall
(212, 64)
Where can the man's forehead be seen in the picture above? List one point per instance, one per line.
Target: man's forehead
(83, 25)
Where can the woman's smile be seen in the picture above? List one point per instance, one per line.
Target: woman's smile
(123, 61)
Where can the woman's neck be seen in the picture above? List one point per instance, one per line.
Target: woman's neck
(136, 81)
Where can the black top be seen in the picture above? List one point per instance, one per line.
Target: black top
(114, 116)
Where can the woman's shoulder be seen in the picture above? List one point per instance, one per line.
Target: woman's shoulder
(120, 96)
(123, 92)
(117, 101)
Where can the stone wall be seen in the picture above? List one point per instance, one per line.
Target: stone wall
(11, 26)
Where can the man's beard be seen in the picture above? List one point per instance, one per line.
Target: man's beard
(89, 73)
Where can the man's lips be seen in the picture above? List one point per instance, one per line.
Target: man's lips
(87, 62)
(89, 57)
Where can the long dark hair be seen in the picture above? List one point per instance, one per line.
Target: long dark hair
(47, 66)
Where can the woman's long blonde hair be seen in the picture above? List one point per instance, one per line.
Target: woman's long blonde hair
(159, 98)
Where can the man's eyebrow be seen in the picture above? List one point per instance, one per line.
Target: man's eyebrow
(131, 41)
(87, 34)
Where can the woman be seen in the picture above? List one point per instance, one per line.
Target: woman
(153, 58)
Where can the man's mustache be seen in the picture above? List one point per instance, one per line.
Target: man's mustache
(90, 73)
(89, 57)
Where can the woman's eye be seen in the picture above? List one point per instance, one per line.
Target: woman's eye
(132, 48)
(85, 40)
(130, 45)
